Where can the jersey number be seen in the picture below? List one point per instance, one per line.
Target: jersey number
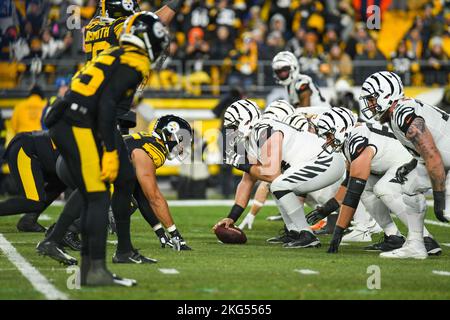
(96, 77)
(96, 47)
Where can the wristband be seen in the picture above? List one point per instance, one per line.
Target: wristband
(236, 212)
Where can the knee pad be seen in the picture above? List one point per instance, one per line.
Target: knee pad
(417, 202)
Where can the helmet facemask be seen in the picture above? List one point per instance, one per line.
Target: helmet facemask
(372, 108)
(178, 141)
(332, 144)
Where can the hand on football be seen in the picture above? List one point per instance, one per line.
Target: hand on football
(226, 222)
(247, 222)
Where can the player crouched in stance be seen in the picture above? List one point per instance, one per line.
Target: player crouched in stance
(424, 131)
(84, 130)
(291, 161)
(171, 138)
(373, 156)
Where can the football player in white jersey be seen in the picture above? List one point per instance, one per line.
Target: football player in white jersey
(277, 110)
(292, 162)
(373, 156)
(424, 131)
(301, 89)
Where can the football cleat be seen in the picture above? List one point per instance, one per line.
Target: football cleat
(51, 249)
(165, 241)
(98, 275)
(178, 244)
(407, 251)
(72, 241)
(432, 246)
(132, 257)
(305, 239)
(387, 243)
(284, 236)
(28, 223)
(358, 235)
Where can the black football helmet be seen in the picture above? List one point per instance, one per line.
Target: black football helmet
(113, 9)
(146, 31)
(176, 133)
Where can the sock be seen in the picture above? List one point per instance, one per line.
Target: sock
(416, 217)
(294, 210)
(159, 230)
(286, 219)
(361, 217)
(173, 231)
(124, 244)
(97, 222)
(380, 212)
(70, 213)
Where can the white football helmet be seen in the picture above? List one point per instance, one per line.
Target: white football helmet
(278, 110)
(285, 67)
(298, 121)
(239, 119)
(379, 91)
(334, 126)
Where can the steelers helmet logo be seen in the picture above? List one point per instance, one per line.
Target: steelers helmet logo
(128, 5)
(173, 127)
(158, 29)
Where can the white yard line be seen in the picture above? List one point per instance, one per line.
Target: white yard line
(441, 273)
(306, 271)
(37, 280)
(169, 271)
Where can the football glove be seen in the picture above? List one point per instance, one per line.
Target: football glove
(247, 222)
(233, 159)
(110, 166)
(336, 240)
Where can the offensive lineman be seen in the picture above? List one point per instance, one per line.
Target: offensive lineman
(424, 131)
(290, 160)
(373, 155)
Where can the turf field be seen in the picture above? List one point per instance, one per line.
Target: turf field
(255, 270)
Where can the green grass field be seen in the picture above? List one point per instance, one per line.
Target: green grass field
(255, 270)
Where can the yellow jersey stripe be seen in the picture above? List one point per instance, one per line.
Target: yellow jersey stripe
(90, 159)
(26, 175)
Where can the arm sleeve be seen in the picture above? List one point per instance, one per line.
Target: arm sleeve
(123, 79)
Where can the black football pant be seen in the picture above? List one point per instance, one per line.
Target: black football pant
(37, 188)
(81, 150)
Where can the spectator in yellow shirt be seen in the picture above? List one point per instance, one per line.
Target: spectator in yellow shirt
(27, 114)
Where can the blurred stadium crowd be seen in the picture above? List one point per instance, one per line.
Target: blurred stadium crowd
(228, 43)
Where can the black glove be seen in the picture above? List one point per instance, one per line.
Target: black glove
(322, 212)
(403, 171)
(336, 240)
(439, 205)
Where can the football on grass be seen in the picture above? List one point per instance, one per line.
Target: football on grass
(231, 235)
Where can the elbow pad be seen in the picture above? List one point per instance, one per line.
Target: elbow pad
(354, 190)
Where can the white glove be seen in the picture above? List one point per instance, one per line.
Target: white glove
(248, 221)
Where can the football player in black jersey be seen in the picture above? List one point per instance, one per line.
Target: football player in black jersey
(83, 126)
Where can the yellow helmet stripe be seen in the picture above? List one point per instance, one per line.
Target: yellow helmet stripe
(130, 22)
(103, 8)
